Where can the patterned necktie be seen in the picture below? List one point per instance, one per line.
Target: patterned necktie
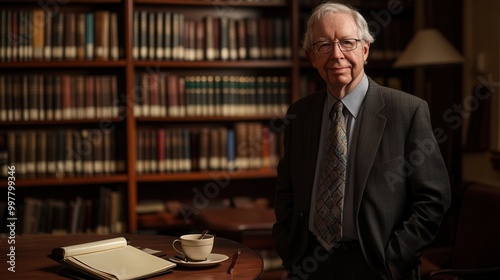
(330, 196)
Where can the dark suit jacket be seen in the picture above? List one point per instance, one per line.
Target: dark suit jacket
(401, 185)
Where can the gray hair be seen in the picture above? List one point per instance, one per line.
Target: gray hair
(327, 8)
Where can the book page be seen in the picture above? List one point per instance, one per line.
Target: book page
(124, 263)
(90, 247)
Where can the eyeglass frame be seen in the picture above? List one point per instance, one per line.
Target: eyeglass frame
(335, 43)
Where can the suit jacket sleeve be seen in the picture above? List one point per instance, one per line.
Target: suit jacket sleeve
(427, 180)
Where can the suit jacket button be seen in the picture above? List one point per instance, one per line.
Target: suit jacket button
(301, 215)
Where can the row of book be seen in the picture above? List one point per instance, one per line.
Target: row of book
(160, 95)
(64, 152)
(247, 145)
(172, 36)
(58, 97)
(44, 34)
(103, 214)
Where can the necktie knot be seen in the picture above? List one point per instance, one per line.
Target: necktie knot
(336, 113)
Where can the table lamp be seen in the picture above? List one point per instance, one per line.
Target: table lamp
(428, 47)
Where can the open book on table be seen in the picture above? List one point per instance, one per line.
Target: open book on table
(111, 259)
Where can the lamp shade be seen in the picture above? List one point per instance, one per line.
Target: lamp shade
(428, 47)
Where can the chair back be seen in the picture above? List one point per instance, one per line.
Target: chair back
(477, 242)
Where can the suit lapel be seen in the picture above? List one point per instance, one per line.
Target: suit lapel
(312, 131)
(369, 134)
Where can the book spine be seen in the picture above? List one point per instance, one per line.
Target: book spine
(140, 151)
(99, 97)
(66, 97)
(17, 98)
(145, 108)
(14, 38)
(89, 36)
(3, 35)
(48, 36)
(69, 44)
(224, 38)
(135, 34)
(25, 107)
(101, 33)
(3, 98)
(242, 151)
(204, 149)
(80, 36)
(214, 152)
(155, 109)
(60, 153)
(173, 96)
(209, 38)
(114, 46)
(90, 110)
(252, 38)
(151, 35)
(168, 36)
(231, 149)
(159, 36)
(107, 103)
(161, 150)
(152, 162)
(31, 154)
(58, 36)
(49, 97)
(33, 99)
(69, 153)
(41, 156)
(38, 34)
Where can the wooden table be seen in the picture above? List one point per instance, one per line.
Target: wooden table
(31, 261)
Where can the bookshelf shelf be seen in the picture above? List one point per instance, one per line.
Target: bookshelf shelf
(207, 119)
(259, 64)
(93, 2)
(71, 181)
(228, 3)
(74, 64)
(211, 175)
(61, 122)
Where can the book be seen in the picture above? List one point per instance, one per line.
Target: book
(38, 33)
(101, 33)
(69, 43)
(89, 36)
(80, 36)
(114, 46)
(111, 259)
(57, 52)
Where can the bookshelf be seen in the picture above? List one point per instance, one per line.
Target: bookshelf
(248, 88)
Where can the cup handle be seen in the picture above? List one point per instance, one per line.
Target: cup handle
(173, 245)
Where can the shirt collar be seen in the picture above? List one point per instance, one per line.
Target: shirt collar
(354, 99)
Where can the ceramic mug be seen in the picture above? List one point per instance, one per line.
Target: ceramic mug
(193, 247)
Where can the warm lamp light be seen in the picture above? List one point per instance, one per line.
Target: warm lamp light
(428, 47)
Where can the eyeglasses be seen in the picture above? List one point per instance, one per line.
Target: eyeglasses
(345, 45)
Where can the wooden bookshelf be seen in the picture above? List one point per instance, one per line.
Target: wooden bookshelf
(127, 66)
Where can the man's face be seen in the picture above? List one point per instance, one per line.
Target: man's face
(342, 71)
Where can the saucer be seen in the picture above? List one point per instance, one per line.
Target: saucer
(212, 259)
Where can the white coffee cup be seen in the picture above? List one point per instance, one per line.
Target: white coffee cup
(193, 247)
